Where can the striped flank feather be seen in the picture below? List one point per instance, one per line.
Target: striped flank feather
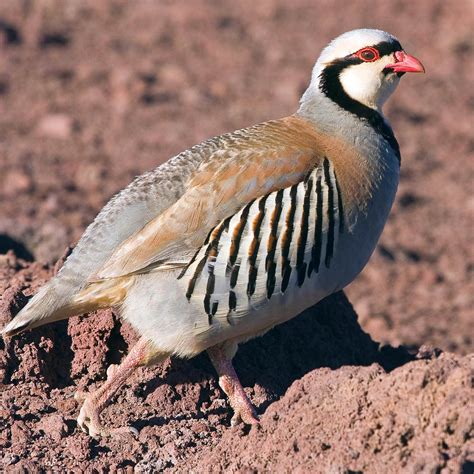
(289, 232)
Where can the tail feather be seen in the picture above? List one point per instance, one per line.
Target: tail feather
(53, 303)
(45, 307)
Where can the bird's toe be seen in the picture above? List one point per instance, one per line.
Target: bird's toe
(89, 422)
(250, 417)
(247, 416)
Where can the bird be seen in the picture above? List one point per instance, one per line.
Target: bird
(243, 231)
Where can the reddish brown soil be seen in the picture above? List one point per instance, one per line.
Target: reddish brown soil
(96, 92)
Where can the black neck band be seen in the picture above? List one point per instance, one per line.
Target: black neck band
(331, 86)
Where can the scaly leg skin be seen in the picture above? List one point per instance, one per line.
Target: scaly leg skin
(143, 353)
(230, 384)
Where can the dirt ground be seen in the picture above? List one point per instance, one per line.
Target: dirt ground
(93, 93)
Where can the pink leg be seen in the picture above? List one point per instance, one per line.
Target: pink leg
(141, 354)
(230, 384)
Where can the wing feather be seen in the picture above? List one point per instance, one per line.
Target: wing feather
(254, 162)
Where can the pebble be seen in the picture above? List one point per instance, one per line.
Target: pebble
(53, 426)
(10, 459)
(16, 182)
(55, 126)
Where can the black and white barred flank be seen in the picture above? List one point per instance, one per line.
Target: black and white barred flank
(257, 250)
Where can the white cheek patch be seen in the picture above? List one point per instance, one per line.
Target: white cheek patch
(362, 82)
(367, 84)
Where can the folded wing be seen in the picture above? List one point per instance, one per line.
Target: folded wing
(278, 155)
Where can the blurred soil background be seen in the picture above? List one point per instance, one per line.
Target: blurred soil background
(93, 93)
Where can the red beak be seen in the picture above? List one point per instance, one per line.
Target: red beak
(405, 63)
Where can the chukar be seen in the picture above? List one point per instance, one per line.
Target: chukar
(243, 231)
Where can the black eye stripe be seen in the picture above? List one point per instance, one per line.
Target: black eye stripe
(384, 48)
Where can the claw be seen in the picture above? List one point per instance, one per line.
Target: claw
(111, 369)
(93, 403)
(251, 419)
(236, 419)
(229, 382)
(89, 420)
(246, 415)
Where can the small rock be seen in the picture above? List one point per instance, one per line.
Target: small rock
(200, 427)
(53, 426)
(10, 459)
(5, 435)
(79, 447)
(13, 299)
(16, 182)
(21, 434)
(55, 126)
(427, 351)
(66, 405)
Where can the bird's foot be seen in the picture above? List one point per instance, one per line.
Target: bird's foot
(89, 416)
(93, 403)
(244, 411)
(89, 419)
(247, 416)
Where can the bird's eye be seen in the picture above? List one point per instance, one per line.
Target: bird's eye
(368, 54)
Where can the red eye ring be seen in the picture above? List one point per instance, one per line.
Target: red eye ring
(368, 54)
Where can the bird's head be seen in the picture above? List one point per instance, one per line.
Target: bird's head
(361, 67)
